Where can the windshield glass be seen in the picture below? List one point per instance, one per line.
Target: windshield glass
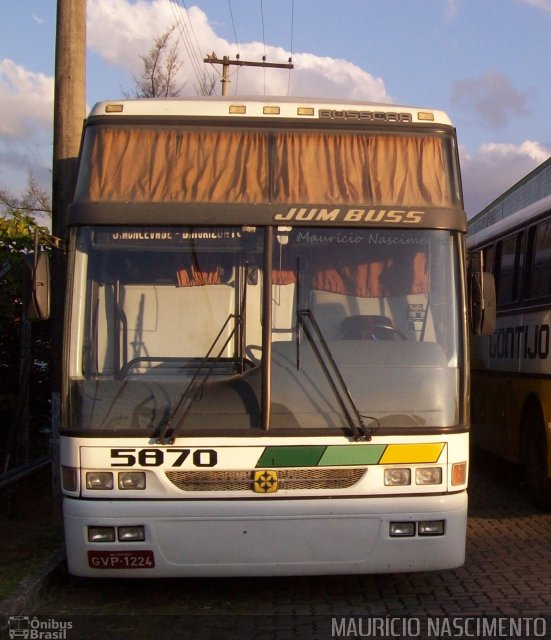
(168, 325)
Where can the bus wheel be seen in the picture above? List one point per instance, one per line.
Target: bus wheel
(536, 459)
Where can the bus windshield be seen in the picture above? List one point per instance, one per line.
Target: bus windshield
(271, 330)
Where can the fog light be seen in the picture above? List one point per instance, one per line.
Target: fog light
(428, 475)
(395, 477)
(402, 529)
(99, 480)
(459, 473)
(132, 480)
(431, 528)
(68, 478)
(101, 534)
(131, 534)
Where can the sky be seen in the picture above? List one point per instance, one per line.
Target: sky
(484, 62)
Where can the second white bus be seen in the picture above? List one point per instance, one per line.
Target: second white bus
(511, 380)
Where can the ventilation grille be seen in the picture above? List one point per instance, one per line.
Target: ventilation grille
(289, 479)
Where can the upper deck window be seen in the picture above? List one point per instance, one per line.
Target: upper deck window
(186, 165)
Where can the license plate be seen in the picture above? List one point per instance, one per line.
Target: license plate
(121, 559)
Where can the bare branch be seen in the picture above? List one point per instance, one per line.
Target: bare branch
(160, 67)
(35, 199)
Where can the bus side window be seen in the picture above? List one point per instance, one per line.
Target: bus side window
(540, 271)
(488, 254)
(509, 263)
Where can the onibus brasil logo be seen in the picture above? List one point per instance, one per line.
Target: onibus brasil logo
(29, 628)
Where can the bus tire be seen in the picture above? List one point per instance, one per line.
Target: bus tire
(535, 458)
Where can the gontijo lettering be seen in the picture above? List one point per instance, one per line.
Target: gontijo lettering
(523, 341)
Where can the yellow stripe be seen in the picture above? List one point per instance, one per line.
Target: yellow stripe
(412, 453)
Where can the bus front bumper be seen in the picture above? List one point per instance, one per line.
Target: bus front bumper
(266, 538)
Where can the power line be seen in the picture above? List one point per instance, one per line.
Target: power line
(191, 43)
(236, 44)
(226, 62)
(182, 28)
(198, 48)
(233, 25)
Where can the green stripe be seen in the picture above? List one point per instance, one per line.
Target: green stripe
(352, 454)
(321, 456)
(300, 456)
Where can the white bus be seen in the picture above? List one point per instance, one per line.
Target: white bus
(266, 359)
(511, 393)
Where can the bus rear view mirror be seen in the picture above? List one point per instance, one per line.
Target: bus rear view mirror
(482, 294)
(38, 299)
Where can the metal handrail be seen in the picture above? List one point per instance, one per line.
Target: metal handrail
(19, 473)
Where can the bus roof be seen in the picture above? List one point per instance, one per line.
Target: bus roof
(513, 221)
(272, 107)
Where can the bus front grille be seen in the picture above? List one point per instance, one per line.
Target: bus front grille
(288, 479)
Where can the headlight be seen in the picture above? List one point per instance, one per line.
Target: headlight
(397, 477)
(428, 475)
(101, 534)
(99, 480)
(131, 534)
(132, 480)
(431, 528)
(401, 529)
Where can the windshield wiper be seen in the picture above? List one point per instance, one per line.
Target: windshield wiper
(334, 376)
(195, 387)
(168, 433)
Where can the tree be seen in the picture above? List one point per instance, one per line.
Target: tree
(24, 359)
(160, 67)
(34, 201)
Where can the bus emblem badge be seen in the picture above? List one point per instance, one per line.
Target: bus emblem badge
(265, 481)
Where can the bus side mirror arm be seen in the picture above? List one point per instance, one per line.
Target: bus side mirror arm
(482, 297)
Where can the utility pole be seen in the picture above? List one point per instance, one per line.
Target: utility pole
(69, 105)
(212, 58)
(69, 113)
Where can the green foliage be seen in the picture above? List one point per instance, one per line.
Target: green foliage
(17, 232)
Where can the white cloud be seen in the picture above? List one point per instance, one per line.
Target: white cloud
(539, 4)
(492, 97)
(120, 31)
(495, 168)
(26, 104)
(452, 8)
(26, 100)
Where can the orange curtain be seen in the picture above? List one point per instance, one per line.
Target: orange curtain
(174, 165)
(353, 169)
(393, 277)
(191, 274)
(171, 164)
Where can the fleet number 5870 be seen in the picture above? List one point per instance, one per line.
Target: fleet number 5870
(157, 457)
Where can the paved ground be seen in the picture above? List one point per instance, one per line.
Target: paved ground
(507, 574)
